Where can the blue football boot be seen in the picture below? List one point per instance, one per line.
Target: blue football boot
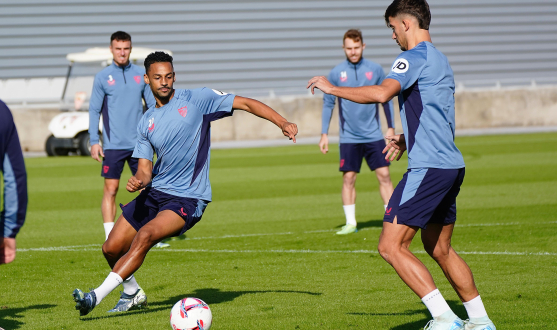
(85, 302)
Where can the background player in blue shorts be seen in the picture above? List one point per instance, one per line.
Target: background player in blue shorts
(426, 196)
(360, 129)
(177, 189)
(14, 196)
(117, 94)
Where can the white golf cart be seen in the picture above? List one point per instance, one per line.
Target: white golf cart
(70, 128)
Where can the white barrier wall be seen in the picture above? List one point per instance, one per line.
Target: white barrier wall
(474, 109)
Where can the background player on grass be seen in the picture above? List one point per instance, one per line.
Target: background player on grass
(425, 198)
(360, 129)
(177, 189)
(117, 94)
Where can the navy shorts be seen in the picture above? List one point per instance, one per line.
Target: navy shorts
(113, 163)
(351, 155)
(425, 195)
(150, 202)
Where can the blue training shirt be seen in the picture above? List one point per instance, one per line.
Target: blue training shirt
(427, 107)
(117, 94)
(12, 166)
(180, 134)
(359, 123)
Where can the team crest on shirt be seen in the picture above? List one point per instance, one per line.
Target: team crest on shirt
(137, 79)
(111, 80)
(183, 111)
(369, 75)
(343, 76)
(151, 126)
(400, 66)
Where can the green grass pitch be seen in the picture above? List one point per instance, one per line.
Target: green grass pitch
(265, 255)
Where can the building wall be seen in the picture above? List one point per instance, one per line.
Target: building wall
(474, 109)
(266, 47)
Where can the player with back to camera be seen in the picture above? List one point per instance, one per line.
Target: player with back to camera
(360, 129)
(177, 189)
(425, 198)
(14, 196)
(117, 94)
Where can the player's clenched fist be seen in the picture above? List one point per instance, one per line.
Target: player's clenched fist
(290, 130)
(134, 184)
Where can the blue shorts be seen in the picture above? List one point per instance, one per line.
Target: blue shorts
(113, 163)
(351, 155)
(150, 202)
(425, 195)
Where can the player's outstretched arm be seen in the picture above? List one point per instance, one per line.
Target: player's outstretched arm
(262, 110)
(383, 93)
(395, 147)
(142, 177)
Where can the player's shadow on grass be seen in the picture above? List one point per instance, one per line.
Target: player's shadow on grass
(367, 224)
(210, 295)
(216, 296)
(9, 316)
(456, 306)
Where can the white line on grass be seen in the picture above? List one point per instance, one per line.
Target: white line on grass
(368, 228)
(352, 252)
(95, 247)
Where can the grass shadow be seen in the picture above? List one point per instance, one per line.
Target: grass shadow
(15, 313)
(209, 295)
(370, 223)
(367, 224)
(456, 306)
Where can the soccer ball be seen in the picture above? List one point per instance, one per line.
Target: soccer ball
(191, 314)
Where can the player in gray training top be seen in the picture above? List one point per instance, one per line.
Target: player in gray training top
(425, 198)
(117, 94)
(176, 190)
(360, 129)
(14, 196)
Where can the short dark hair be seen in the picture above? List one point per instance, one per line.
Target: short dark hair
(120, 36)
(417, 8)
(157, 57)
(353, 34)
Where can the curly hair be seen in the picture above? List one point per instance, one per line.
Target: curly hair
(157, 57)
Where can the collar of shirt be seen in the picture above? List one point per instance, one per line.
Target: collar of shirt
(122, 67)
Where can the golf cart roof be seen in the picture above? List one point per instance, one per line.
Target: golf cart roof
(98, 54)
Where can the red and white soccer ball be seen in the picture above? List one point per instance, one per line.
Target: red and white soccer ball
(191, 314)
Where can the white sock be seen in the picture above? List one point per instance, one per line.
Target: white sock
(350, 213)
(108, 228)
(112, 281)
(130, 285)
(385, 207)
(435, 303)
(475, 308)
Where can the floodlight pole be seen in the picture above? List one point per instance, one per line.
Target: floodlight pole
(67, 79)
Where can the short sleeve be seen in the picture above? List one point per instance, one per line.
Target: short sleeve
(143, 148)
(407, 68)
(213, 103)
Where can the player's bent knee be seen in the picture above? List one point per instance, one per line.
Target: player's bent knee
(384, 250)
(438, 252)
(112, 250)
(145, 238)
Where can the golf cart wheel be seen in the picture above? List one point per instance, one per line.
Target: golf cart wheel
(51, 150)
(49, 146)
(84, 144)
